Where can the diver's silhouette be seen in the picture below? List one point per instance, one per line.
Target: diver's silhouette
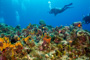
(56, 11)
(86, 19)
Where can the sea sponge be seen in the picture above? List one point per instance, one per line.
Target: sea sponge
(47, 38)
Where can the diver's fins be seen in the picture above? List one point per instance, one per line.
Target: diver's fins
(69, 4)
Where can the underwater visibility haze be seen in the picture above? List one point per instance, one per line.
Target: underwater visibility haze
(23, 12)
(44, 29)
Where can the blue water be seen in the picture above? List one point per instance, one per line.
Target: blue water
(23, 12)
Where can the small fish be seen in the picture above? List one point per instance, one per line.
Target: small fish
(79, 25)
(70, 41)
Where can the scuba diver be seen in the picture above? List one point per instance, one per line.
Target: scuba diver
(56, 11)
(86, 19)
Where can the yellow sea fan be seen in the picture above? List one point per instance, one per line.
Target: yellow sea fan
(18, 43)
(1, 40)
(18, 38)
(12, 52)
(6, 39)
(1, 44)
(27, 38)
(1, 48)
(12, 46)
(6, 45)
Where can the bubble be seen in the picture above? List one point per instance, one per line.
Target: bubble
(49, 2)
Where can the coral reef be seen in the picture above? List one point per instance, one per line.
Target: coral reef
(44, 42)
